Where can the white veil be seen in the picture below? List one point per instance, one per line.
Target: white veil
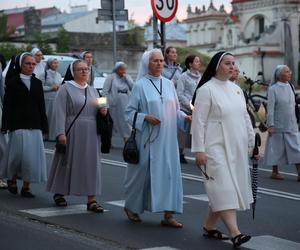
(144, 64)
(276, 73)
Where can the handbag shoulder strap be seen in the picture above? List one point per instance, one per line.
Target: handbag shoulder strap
(78, 114)
(134, 120)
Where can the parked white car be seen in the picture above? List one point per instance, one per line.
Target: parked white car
(64, 62)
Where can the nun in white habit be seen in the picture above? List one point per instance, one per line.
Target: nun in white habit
(117, 87)
(40, 65)
(51, 82)
(283, 142)
(222, 136)
(154, 184)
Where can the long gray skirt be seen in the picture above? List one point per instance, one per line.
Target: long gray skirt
(121, 126)
(282, 149)
(50, 111)
(26, 156)
(3, 156)
(78, 171)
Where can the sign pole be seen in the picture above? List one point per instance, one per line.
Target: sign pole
(114, 31)
(163, 36)
(155, 32)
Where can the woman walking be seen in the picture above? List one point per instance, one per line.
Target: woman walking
(283, 142)
(117, 87)
(24, 117)
(155, 183)
(172, 69)
(221, 137)
(186, 86)
(78, 170)
(51, 82)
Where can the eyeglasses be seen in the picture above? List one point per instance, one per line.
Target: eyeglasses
(28, 63)
(82, 69)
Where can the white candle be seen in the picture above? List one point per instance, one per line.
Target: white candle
(192, 106)
(102, 102)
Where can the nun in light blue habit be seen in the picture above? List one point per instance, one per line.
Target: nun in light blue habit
(155, 184)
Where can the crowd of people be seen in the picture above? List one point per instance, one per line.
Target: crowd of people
(172, 108)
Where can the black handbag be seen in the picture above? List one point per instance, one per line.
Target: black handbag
(104, 129)
(130, 150)
(62, 148)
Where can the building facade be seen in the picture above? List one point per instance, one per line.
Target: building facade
(261, 34)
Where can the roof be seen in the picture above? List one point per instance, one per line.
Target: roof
(60, 19)
(174, 32)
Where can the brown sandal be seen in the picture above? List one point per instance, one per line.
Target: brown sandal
(171, 222)
(93, 206)
(134, 217)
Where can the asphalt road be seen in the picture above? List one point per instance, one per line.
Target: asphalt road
(38, 224)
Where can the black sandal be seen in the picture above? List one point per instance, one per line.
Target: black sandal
(134, 217)
(25, 192)
(93, 206)
(240, 239)
(60, 200)
(12, 187)
(214, 234)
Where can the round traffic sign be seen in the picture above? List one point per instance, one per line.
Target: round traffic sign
(164, 10)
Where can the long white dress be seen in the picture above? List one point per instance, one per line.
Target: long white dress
(222, 129)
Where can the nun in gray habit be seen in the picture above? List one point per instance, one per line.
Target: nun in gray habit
(283, 142)
(51, 81)
(78, 170)
(117, 87)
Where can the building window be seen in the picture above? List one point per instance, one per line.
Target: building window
(261, 25)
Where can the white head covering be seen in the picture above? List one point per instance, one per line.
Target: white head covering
(49, 61)
(144, 64)
(34, 51)
(119, 65)
(82, 54)
(22, 56)
(276, 73)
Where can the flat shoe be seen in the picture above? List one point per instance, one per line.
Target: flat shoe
(214, 234)
(26, 193)
(276, 176)
(60, 200)
(240, 239)
(134, 217)
(171, 222)
(12, 187)
(95, 207)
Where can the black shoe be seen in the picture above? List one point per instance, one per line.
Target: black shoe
(26, 193)
(12, 187)
(183, 160)
(240, 239)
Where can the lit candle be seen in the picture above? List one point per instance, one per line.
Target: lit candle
(102, 102)
(192, 106)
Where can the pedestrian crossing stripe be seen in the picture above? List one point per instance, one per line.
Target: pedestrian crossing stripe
(58, 211)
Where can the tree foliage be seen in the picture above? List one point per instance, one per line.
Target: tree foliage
(42, 41)
(63, 41)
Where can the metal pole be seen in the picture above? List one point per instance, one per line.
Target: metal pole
(114, 31)
(155, 31)
(163, 36)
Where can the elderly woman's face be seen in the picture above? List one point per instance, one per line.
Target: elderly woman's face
(226, 67)
(156, 64)
(121, 71)
(54, 64)
(28, 65)
(81, 72)
(38, 56)
(285, 75)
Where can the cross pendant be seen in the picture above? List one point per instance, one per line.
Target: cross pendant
(162, 99)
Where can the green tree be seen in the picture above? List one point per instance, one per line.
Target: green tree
(182, 53)
(9, 49)
(42, 41)
(63, 41)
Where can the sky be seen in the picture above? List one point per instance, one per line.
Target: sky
(139, 10)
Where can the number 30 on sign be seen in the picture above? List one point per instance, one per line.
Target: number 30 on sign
(164, 10)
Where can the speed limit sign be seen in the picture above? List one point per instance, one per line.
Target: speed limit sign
(164, 10)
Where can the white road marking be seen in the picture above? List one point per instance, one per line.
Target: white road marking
(120, 203)
(58, 211)
(269, 242)
(266, 191)
(200, 197)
